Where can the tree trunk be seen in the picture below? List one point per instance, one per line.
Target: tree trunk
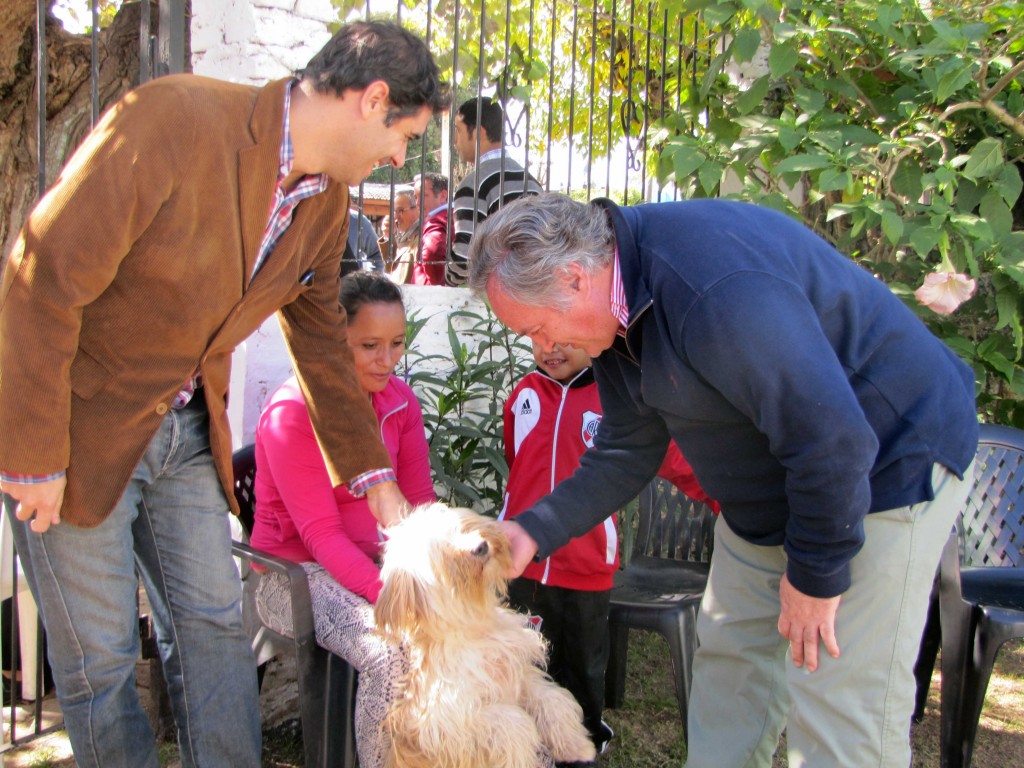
(68, 97)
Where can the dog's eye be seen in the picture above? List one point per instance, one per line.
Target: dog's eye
(481, 550)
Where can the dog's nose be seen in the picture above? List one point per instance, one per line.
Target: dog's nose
(482, 550)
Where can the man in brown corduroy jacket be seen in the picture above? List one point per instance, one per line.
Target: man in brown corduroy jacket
(191, 212)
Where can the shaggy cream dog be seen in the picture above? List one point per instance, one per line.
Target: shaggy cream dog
(476, 696)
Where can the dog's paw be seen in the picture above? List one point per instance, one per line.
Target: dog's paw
(560, 723)
(575, 747)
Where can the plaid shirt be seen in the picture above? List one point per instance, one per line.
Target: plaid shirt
(283, 205)
(281, 210)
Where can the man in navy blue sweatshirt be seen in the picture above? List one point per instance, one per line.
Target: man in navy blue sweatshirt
(836, 431)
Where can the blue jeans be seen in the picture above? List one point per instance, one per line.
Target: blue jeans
(171, 527)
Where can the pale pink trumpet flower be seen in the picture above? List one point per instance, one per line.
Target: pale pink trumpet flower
(943, 292)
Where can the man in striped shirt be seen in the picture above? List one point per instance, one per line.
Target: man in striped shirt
(495, 180)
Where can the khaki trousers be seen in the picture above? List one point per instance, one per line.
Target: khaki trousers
(852, 711)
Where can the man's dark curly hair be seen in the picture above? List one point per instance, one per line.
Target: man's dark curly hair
(365, 51)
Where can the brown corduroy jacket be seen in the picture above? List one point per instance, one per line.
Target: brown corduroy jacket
(134, 271)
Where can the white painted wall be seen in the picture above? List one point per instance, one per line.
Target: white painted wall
(253, 41)
(262, 362)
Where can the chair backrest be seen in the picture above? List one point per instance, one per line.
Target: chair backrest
(671, 525)
(243, 463)
(992, 526)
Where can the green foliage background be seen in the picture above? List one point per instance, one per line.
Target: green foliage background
(900, 125)
(462, 393)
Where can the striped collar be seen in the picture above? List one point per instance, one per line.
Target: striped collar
(619, 307)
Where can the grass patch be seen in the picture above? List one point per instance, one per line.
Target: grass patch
(648, 732)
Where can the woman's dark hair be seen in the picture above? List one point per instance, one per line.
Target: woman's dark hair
(359, 288)
(365, 51)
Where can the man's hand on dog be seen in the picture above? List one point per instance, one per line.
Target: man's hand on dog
(521, 545)
(387, 503)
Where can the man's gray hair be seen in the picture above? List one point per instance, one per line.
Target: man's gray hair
(530, 241)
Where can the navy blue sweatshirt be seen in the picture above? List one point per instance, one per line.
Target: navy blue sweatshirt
(802, 391)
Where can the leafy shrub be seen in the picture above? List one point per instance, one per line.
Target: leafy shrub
(894, 129)
(462, 394)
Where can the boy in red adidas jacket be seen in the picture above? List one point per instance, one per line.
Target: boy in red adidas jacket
(551, 418)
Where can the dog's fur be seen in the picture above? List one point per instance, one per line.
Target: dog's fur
(476, 696)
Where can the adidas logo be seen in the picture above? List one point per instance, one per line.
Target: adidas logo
(526, 408)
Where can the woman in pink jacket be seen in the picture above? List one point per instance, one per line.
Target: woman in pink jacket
(301, 516)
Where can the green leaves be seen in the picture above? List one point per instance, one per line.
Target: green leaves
(461, 392)
(894, 134)
(752, 98)
(803, 162)
(985, 159)
(782, 59)
(745, 44)
(685, 155)
(892, 224)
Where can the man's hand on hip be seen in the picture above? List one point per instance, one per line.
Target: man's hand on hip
(38, 502)
(803, 619)
(522, 545)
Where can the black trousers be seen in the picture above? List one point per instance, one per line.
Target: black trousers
(575, 624)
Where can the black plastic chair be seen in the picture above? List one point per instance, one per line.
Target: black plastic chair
(980, 592)
(660, 587)
(326, 682)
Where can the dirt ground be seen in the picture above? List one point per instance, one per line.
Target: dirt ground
(647, 727)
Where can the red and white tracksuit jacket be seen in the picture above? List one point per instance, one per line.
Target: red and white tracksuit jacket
(548, 426)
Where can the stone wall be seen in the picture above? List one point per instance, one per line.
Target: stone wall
(252, 41)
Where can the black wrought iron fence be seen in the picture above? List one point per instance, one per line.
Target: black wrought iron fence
(583, 86)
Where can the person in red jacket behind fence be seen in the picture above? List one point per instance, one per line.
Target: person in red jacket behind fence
(551, 418)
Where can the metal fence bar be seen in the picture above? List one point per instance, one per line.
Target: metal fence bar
(94, 59)
(593, 88)
(529, 110)
(551, 92)
(611, 104)
(145, 45)
(572, 94)
(647, 104)
(41, 70)
(171, 38)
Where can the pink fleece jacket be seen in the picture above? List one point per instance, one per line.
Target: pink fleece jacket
(300, 516)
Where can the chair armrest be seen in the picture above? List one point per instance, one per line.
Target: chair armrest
(303, 630)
